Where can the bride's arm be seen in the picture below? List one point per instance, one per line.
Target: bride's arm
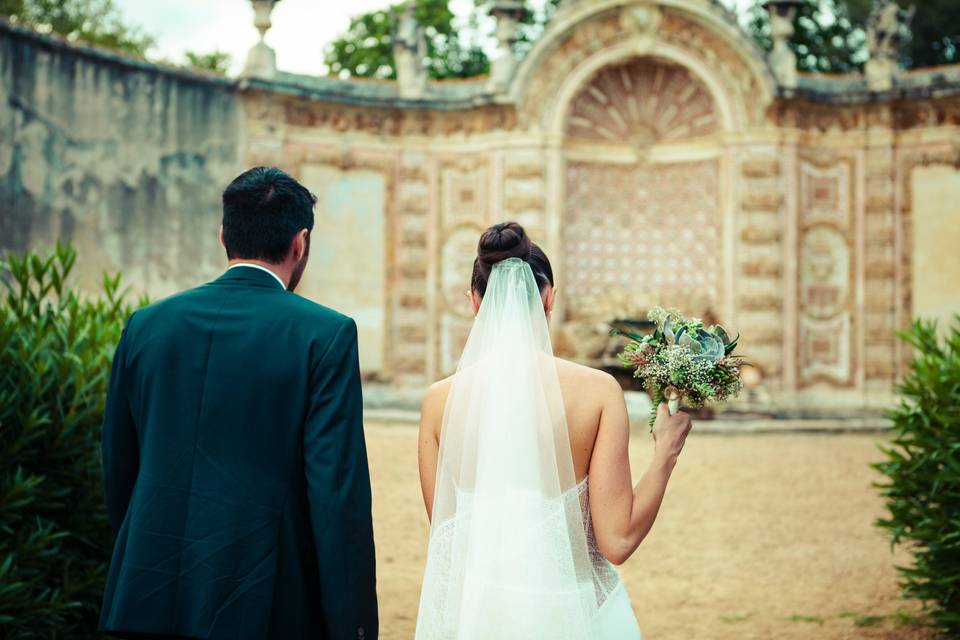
(431, 417)
(623, 514)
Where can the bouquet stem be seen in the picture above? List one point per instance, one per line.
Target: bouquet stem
(673, 400)
(657, 399)
(671, 396)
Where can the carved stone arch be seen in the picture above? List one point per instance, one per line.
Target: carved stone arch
(556, 113)
(642, 102)
(585, 36)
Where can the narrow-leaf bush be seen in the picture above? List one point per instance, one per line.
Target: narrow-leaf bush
(922, 474)
(56, 348)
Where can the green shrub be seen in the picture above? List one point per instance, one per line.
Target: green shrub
(922, 469)
(55, 353)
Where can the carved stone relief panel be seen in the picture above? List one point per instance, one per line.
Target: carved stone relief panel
(463, 194)
(825, 194)
(825, 349)
(464, 187)
(825, 276)
(825, 291)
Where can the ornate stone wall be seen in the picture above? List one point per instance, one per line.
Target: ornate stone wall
(645, 144)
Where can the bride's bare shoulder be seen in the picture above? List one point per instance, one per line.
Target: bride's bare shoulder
(584, 377)
(435, 398)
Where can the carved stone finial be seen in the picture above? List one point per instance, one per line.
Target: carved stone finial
(888, 27)
(409, 51)
(508, 14)
(784, 62)
(262, 60)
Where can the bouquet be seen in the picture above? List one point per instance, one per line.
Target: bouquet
(683, 360)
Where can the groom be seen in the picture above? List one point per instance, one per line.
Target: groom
(235, 468)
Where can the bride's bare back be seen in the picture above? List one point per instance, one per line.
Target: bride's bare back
(599, 430)
(589, 395)
(597, 421)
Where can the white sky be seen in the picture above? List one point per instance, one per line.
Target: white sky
(301, 28)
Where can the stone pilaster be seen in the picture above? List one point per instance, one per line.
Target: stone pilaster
(410, 295)
(760, 262)
(879, 253)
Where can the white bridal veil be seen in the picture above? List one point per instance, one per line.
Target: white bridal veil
(508, 553)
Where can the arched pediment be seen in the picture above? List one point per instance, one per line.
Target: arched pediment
(641, 102)
(585, 36)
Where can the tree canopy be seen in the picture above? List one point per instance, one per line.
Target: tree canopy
(96, 22)
(453, 50)
(99, 23)
(215, 61)
(365, 49)
(830, 35)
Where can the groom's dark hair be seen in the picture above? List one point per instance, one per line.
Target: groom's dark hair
(263, 209)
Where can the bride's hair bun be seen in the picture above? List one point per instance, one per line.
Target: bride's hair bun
(503, 241)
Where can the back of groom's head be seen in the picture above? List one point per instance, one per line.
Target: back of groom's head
(263, 209)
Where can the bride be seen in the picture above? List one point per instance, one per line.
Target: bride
(521, 542)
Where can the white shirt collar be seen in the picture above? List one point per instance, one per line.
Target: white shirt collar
(257, 266)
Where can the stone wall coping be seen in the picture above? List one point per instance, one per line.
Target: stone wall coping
(851, 88)
(110, 56)
(447, 94)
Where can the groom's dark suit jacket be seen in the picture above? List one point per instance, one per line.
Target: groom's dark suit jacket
(235, 469)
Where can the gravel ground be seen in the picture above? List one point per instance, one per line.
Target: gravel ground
(761, 536)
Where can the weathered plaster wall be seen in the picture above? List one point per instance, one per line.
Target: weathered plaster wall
(936, 244)
(347, 267)
(125, 159)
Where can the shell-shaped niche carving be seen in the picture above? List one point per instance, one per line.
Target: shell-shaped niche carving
(642, 102)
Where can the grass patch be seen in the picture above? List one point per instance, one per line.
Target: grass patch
(869, 621)
(899, 618)
(739, 617)
(799, 618)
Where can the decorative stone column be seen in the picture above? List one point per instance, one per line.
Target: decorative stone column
(409, 51)
(782, 59)
(262, 60)
(508, 14)
(887, 28)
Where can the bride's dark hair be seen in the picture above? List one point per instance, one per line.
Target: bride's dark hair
(508, 240)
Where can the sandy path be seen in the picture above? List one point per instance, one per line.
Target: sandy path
(760, 537)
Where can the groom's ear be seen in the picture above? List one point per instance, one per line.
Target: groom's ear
(300, 244)
(222, 243)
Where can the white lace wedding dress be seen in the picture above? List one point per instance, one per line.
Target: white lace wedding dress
(512, 552)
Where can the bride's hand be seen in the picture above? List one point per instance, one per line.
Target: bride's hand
(670, 433)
